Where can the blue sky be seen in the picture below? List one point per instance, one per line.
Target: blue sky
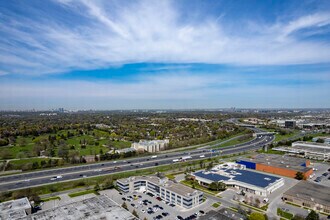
(164, 54)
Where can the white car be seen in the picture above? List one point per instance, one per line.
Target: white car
(143, 211)
(114, 161)
(27, 180)
(59, 177)
(54, 178)
(202, 156)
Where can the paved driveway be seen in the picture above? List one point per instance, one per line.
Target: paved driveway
(173, 211)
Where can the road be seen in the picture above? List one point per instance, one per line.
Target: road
(27, 180)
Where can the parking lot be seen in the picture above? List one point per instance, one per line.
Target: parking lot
(150, 208)
(321, 174)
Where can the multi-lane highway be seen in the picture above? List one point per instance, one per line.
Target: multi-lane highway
(26, 180)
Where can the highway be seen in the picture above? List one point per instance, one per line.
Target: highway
(27, 180)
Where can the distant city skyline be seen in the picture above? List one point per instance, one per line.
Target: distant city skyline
(108, 55)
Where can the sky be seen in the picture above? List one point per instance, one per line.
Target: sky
(105, 55)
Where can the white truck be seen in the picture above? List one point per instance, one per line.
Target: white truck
(184, 158)
(176, 160)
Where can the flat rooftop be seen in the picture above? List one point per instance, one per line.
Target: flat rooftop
(311, 144)
(14, 209)
(222, 214)
(306, 190)
(165, 183)
(282, 161)
(302, 149)
(100, 207)
(239, 175)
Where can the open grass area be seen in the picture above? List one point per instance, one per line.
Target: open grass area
(97, 141)
(279, 137)
(82, 193)
(51, 198)
(28, 160)
(284, 214)
(216, 205)
(170, 176)
(270, 151)
(235, 141)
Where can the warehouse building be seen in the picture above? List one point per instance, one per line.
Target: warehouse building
(309, 150)
(278, 164)
(240, 179)
(166, 189)
(311, 195)
(15, 209)
(100, 207)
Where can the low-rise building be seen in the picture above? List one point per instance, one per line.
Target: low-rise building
(239, 178)
(166, 189)
(125, 150)
(100, 207)
(278, 164)
(151, 146)
(290, 124)
(310, 150)
(15, 209)
(311, 195)
(90, 158)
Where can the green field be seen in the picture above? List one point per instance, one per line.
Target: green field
(279, 137)
(96, 142)
(234, 142)
(50, 199)
(284, 214)
(82, 193)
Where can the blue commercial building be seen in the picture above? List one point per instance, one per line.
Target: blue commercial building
(241, 179)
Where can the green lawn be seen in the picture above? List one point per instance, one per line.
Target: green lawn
(30, 160)
(216, 205)
(82, 193)
(50, 198)
(284, 214)
(279, 137)
(23, 147)
(234, 142)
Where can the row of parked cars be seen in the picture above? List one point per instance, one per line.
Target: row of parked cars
(191, 217)
(324, 175)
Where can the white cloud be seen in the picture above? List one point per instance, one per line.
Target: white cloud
(149, 31)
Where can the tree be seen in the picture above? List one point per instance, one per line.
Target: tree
(299, 176)
(35, 165)
(256, 216)
(124, 205)
(217, 186)
(97, 187)
(209, 166)
(312, 216)
(135, 213)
